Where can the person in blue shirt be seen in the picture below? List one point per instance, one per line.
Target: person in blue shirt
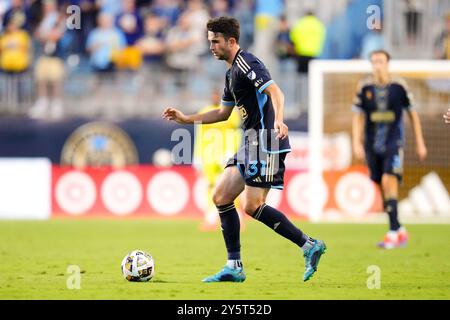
(104, 42)
(259, 164)
(378, 136)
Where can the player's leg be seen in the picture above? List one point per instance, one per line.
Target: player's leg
(392, 174)
(255, 206)
(228, 188)
(389, 185)
(389, 190)
(375, 163)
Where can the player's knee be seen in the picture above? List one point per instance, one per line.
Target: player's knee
(389, 185)
(220, 199)
(250, 207)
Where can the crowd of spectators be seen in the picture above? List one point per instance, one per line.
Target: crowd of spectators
(114, 33)
(35, 37)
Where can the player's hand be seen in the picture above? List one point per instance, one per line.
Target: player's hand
(421, 151)
(172, 114)
(447, 116)
(359, 152)
(281, 129)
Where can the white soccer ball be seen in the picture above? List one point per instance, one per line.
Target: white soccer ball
(138, 266)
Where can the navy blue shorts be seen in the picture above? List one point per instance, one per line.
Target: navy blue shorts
(266, 170)
(258, 166)
(390, 162)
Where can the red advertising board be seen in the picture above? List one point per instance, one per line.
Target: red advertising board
(147, 191)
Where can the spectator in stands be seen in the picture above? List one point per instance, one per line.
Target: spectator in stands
(244, 11)
(284, 45)
(152, 45)
(49, 68)
(267, 14)
(17, 9)
(219, 8)
(167, 9)
(130, 23)
(112, 7)
(184, 48)
(413, 20)
(442, 43)
(199, 16)
(15, 46)
(76, 38)
(104, 44)
(4, 6)
(308, 35)
(372, 41)
(15, 57)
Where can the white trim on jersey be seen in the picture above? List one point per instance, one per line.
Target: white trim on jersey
(242, 60)
(241, 66)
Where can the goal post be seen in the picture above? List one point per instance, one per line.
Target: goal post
(331, 88)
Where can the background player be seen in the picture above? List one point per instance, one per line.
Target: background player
(259, 165)
(378, 136)
(214, 143)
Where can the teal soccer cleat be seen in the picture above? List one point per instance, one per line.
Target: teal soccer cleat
(312, 257)
(227, 274)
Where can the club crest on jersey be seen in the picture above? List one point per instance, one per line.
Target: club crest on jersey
(251, 75)
(369, 95)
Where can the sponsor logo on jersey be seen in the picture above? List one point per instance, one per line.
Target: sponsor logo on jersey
(243, 112)
(382, 116)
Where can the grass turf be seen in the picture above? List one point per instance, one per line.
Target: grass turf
(35, 256)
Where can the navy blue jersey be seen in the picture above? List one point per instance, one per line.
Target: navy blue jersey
(245, 82)
(383, 108)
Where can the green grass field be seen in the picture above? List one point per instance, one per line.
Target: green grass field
(35, 255)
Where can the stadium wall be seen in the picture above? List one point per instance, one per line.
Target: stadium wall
(51, 188)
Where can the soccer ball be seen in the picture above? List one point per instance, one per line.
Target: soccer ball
(138, 266)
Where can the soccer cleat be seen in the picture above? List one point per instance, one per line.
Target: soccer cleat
(312, 258)
(403, 237)
(227, 274)
(390, 241)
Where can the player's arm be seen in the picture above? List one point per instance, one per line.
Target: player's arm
(216, 115)
(358, 135)
(358, 122)
(418, 135)
(277, 97)
(447, 116)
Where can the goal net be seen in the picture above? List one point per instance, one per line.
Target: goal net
(424, 192)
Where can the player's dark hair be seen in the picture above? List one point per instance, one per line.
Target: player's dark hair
(388, 56)
(227, 26)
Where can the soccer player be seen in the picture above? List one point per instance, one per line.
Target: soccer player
(259, 165)
(378, 136)
(447, 116)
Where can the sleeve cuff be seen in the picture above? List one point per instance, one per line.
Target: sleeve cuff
(228, 103)
(264, 86)
(357, 109)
